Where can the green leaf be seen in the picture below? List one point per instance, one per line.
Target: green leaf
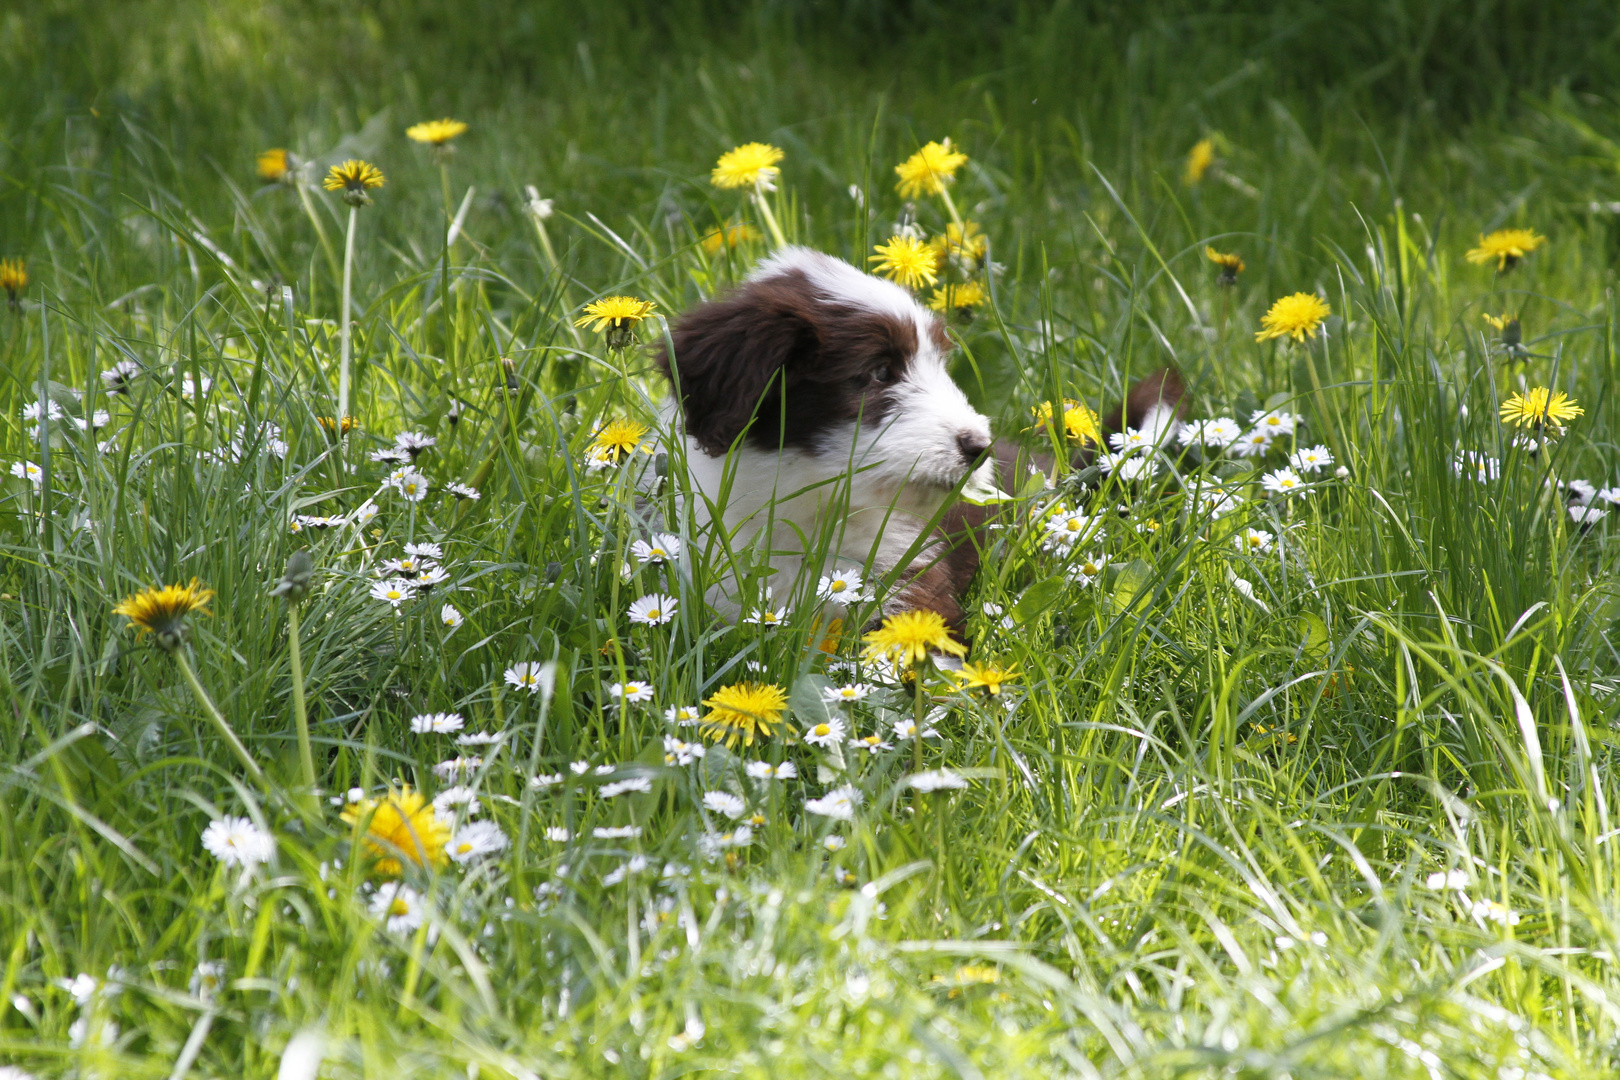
(1314, 639)
(1037, 598)
(1131, 583)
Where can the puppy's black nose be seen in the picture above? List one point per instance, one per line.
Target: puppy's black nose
(973, 445)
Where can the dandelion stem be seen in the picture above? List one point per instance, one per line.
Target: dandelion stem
(916, 734)
(770, 218)
(950, 208)
(306, 757)
(348, 292)
(219, 721)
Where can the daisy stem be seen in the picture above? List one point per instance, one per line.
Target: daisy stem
(950, 208)
(348, 293)
(219, 721)
(770, 218)
(306, 757)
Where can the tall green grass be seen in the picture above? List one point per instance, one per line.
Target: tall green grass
(1198, 843)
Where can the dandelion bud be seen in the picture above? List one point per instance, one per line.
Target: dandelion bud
(294, 584)
(538, 207)
(553, 572)
(661, 465)
(511, 375)
(1341, 472)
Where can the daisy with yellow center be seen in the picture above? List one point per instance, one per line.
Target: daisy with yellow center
(989, 677)
(906, 260)
(1297, 316)
(13, 278)
(274, 166)
(744, 710)
(162, 611)
(907, 637)
(401, 827)
(355, 179)
(1199, 159)
(618, 437)
(1540, 407)
(618, 315)
(436, 133)
(928, 170)
(964, 297)
(1231, 265)
(733, 235)
(1080, 424)
(1506, 246)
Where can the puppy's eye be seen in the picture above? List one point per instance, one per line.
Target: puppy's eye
(883, 376)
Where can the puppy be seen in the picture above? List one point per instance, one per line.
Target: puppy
(822, 426)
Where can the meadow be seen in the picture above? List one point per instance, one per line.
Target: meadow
(408, 745)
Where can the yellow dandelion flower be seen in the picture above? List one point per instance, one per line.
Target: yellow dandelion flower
(618, 315)
(986, 676)
(928, 170)
(162, 610)
(273, 165)
(907, 637)
(1506, 246)
(401, 827)
(749, 165)
(620, 436)
(734, 234)
(435, 132)
(1199, 159)
(1263, 732)
(906, 260)
(1080, 424)
(744, 710)
(969, 294)
(965, 242)
(355, 179)
(970, 975)
(1540, 407)
(1231, 265)
(826, 639)
(1296, 316)
(337, 427)
(13, 277)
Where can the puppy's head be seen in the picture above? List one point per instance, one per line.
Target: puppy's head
(812, 354)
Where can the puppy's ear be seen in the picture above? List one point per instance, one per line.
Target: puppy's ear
(1154, 401)
(734, 356)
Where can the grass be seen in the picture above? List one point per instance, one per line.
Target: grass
(1199, 827)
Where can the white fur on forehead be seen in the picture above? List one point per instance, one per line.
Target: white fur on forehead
(836, 280)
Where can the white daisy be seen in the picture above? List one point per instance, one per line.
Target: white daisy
(1128, 467)
(937, 780)
(389, 456)
(1213, 500)
(446, 801)
(476, 840)
(712, 844)
(428, 577)
(424, 550)
(1253, 541)
(838, 804)
(1490, 910)
(364, 514)
(457, 766)
(1587, 516)
(1312, 459)
(236, 841)
(462, 491)
(394, 591)
(663, 547)
(27, 470)
(904, 728)
(684, 715)
(1255, 443)
(1066, 530)
(318, 521)
(1450, 879)
(401, 907)
(1283, 482)
(999, 613)
(441, 723)
(1088, 569)
(450, 616)
(411, 484)
(724, 802)
(413, 442)
(101, 418)
(117, 378)
(188, 389)
(635, 864)
(1277, 423)
(833, 842)
(580, 768)
(479, 738)
(764, 770)
(558, 834)
(843, 586)
(1581, 491)
(631, 691)
(531, 676)
(830, 732)
(1610, 495)
(840, 695)
(206, 981)
(1477, 465)
(677, 752)
(619, 787)
(616, 832)
(406, 567)
(545, 780)
(772, 617)
(1130, 439)
(653, 609)
(872, 743)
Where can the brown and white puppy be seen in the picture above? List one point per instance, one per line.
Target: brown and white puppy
(822, 426)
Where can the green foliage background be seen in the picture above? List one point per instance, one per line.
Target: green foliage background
(1200, 848)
